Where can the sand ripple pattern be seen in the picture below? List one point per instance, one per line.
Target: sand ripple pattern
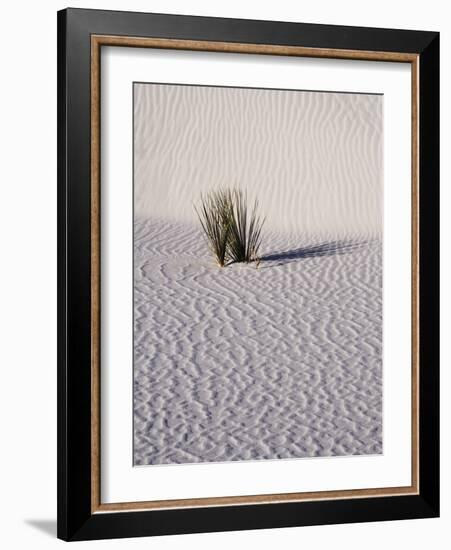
(314, 159)
(284, 361)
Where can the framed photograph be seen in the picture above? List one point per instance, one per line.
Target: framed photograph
(248, 274)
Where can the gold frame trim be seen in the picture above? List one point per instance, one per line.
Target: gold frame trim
(97, 41)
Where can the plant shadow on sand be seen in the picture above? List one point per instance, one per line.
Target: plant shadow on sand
(331, 248)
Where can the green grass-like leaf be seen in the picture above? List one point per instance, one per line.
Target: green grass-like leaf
(245, 228)
(214, 217)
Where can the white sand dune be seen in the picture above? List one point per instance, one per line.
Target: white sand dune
(241, 363)
(282, 361)
(313, 159)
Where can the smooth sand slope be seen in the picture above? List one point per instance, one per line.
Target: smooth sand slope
(241, 363)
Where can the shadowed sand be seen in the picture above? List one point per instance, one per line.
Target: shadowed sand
(283, 361)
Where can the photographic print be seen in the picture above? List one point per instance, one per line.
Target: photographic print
(258, 227)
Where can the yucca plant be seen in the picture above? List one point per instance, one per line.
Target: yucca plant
(214, 216)
(245, 229)
(232, 234)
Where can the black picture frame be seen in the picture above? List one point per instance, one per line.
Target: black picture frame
(76, 520)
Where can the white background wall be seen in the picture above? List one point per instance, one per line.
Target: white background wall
(28, 273)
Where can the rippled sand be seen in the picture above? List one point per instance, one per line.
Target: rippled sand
(240, 363)
(313, 159)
